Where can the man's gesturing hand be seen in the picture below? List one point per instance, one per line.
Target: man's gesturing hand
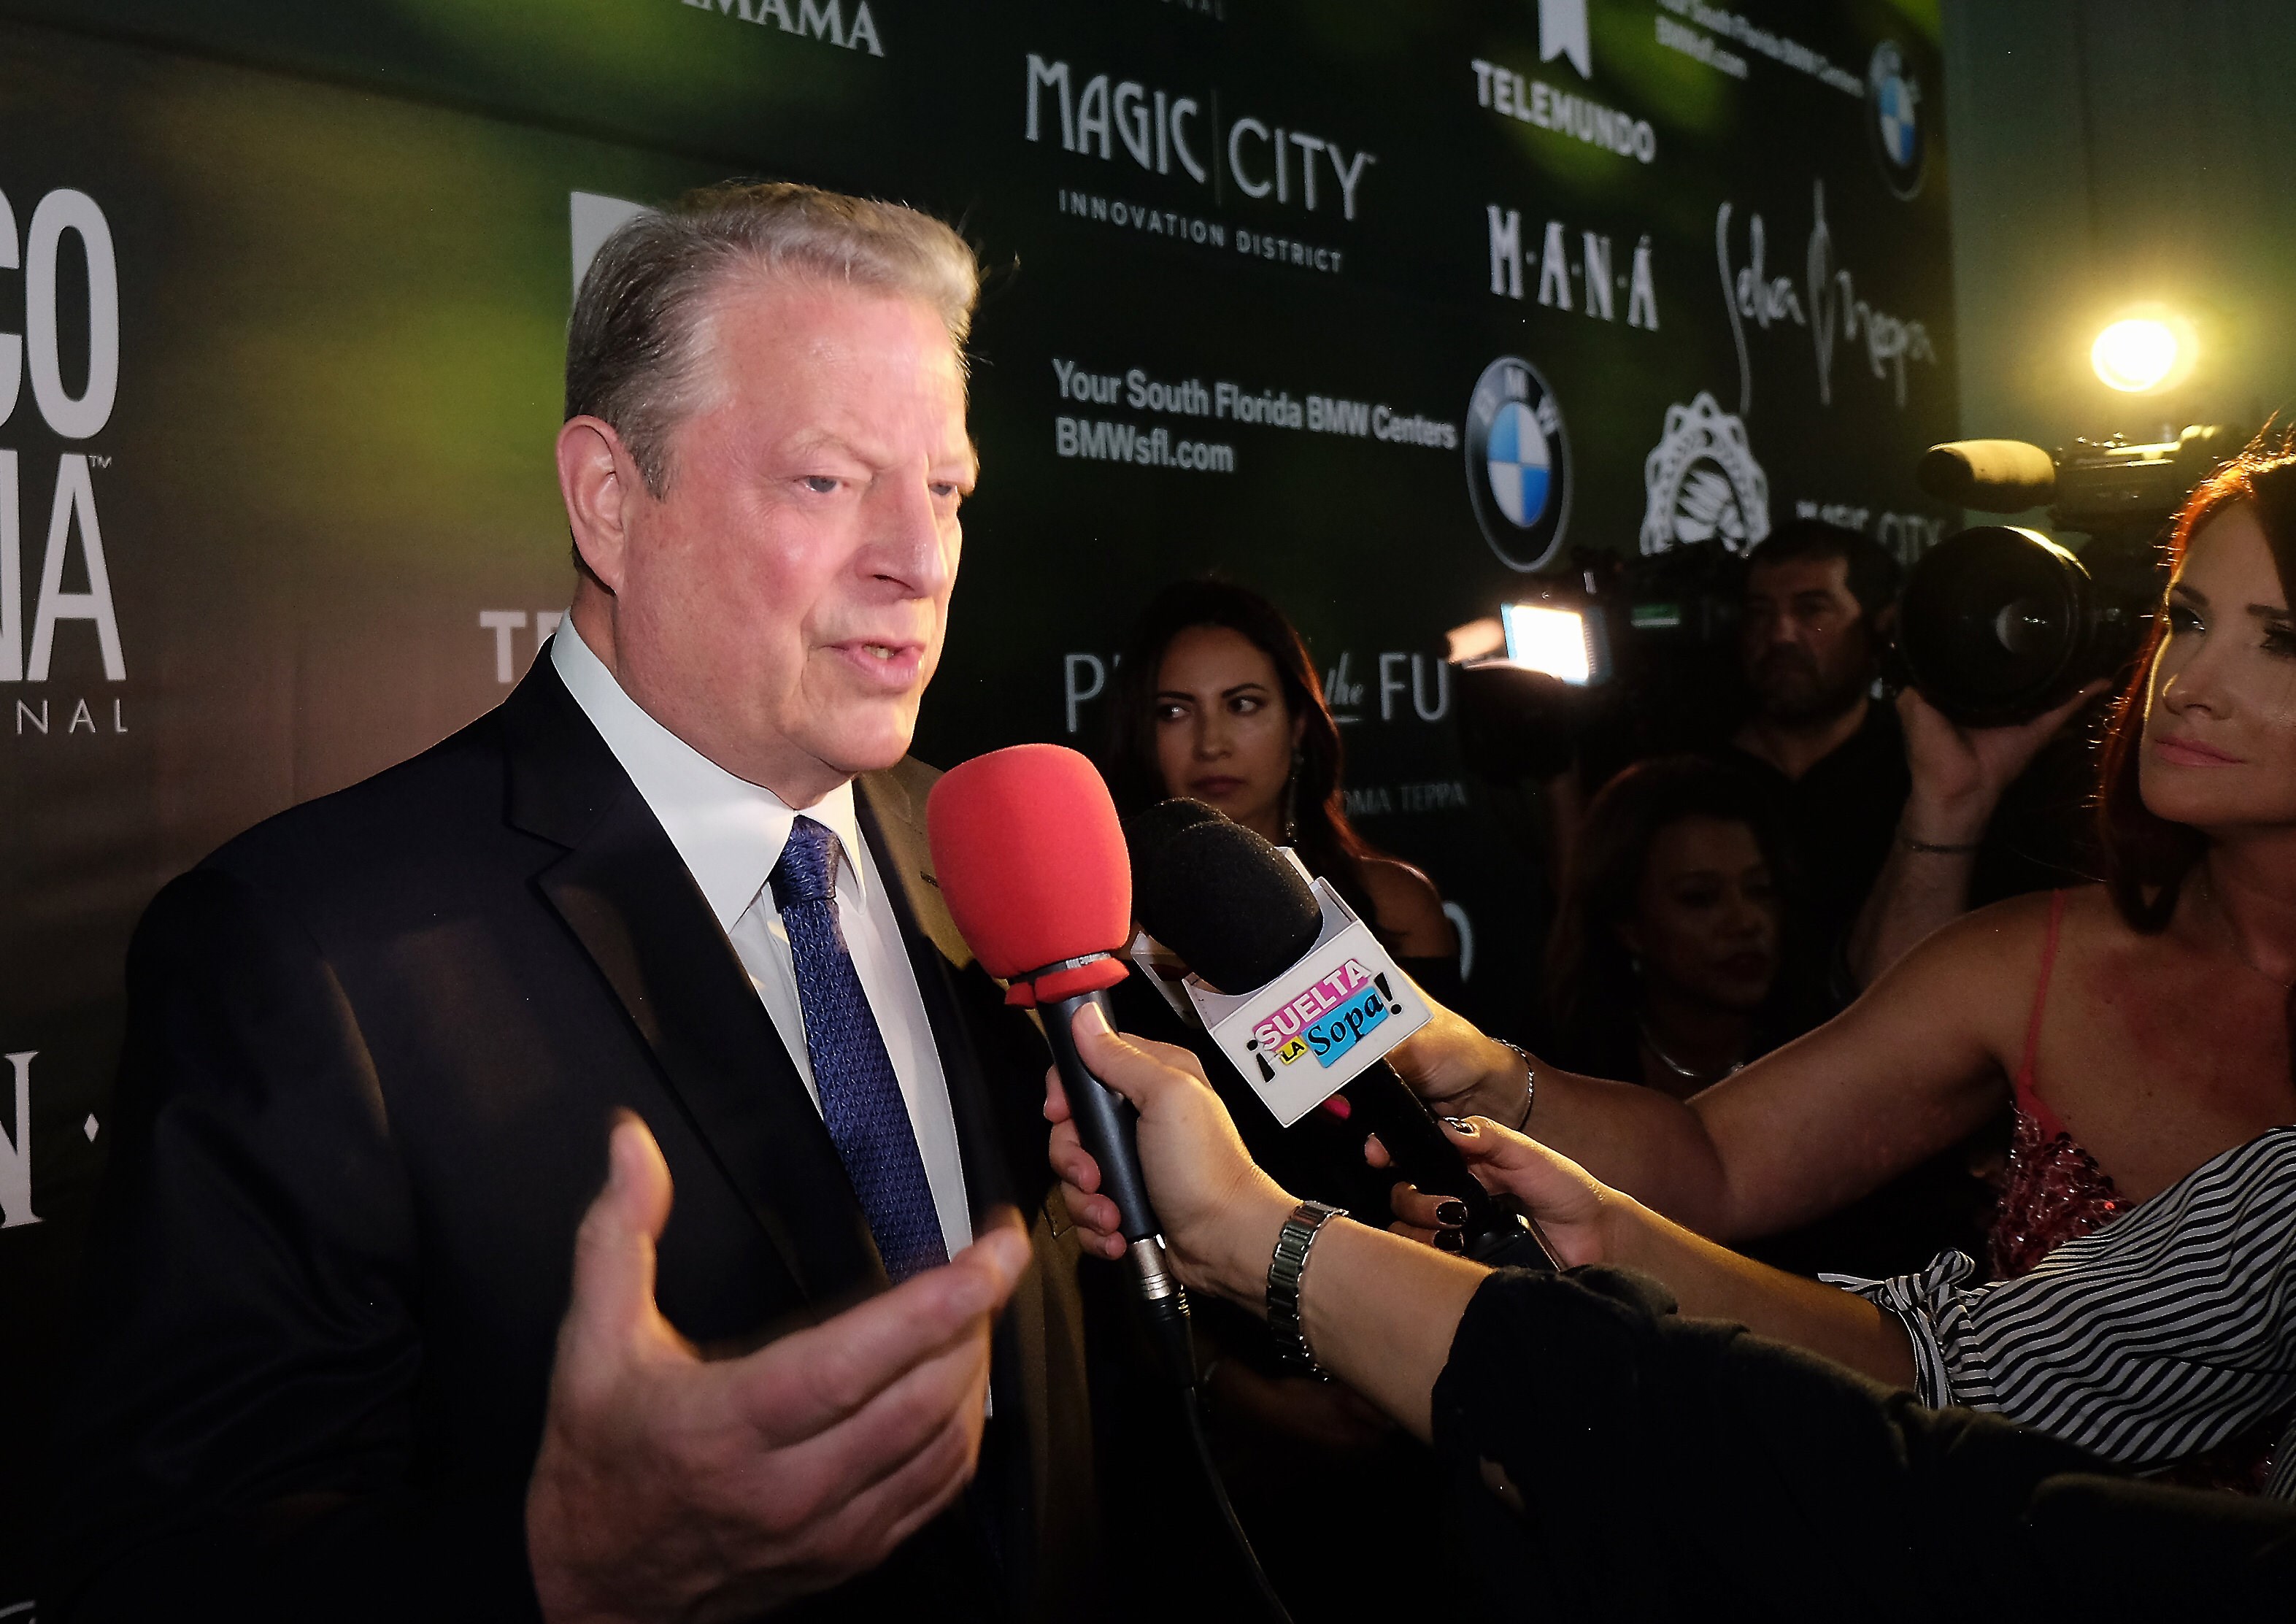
(671, 1487)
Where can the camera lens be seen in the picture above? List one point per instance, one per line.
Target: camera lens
(1995, 624)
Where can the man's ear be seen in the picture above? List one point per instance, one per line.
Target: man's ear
(600, 484)
(1885, 623)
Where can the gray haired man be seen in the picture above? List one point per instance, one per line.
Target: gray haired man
(393, 1315)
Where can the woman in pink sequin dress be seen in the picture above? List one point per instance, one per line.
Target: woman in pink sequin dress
(2141, 1029)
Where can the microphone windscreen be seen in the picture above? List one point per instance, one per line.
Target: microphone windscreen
(1996, 476)
(1228, 902)
(1146, 829)
(1030, 858)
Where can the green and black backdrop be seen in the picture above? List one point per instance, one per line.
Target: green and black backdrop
(1381, 307)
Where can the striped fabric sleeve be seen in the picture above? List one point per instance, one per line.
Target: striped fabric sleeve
(2160, 1334)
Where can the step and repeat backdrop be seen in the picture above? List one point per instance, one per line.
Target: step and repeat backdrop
(1384, 308)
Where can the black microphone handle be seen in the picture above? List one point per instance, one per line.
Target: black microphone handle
(1381, 1102)
(1106, 1123)
(1104, 1120)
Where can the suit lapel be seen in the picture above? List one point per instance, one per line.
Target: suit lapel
(890, 807)
(626, 895)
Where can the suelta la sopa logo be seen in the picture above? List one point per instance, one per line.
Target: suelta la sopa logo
(1518, 463)
(1328, 1019)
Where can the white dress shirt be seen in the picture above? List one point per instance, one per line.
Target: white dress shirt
(730, 832)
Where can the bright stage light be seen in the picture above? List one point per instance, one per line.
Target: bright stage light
(2138, 353)
(1554, 641)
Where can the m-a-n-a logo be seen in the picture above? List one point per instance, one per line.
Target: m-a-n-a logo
(38, 355)
(1518, 463)
(16, 1148)
(1593, 270)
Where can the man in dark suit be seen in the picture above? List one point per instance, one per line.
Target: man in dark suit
(667, 918)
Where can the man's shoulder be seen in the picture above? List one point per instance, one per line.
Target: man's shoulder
(406, 803)
(422, 829)
(901, 790)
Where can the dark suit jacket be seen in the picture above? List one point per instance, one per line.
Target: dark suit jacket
(373, 1049)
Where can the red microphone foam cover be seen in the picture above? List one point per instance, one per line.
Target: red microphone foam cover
(1031, 862)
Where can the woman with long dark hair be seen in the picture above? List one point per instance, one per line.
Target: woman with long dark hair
(1216, 699)
(2145, 1253)
(1667, 963)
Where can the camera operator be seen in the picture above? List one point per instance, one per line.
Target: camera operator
(1815, 615)
(1884, 807)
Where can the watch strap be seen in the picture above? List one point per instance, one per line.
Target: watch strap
(1284, 1271)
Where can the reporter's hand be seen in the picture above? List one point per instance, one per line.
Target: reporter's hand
(1459, 1072)
(1959, 773)
(1219, 1212)
(668, 1487)
(1579, 1217)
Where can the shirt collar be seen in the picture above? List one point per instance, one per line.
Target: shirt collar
(729, 831)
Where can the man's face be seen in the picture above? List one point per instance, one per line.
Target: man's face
(782, 606)
(1804, 643)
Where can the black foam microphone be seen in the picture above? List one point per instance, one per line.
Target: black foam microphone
(1239, 914)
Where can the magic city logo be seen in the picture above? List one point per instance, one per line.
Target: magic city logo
(1893, 100)
(1518, 463)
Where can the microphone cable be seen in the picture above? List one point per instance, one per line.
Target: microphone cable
(1169, 1330)
(1193, 1400)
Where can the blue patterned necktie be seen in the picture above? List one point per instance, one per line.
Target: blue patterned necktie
(861, 1101)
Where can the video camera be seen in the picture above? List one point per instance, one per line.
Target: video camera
(1999, 623)
(1996, 625)
(1640, 652)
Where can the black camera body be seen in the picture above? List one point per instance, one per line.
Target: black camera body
(1660, 634)
(1999, 624)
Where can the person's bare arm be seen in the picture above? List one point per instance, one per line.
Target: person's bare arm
(1410, 910)
(1380, 1311)
(1585, 1222)
(1959, 774)
(671, 1487)
(1910, 1069)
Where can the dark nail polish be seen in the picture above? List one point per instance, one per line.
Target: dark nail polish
(1451, 1214)
(1450, 1239)
(1460, 1125)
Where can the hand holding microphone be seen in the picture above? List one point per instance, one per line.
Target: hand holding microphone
(1220, 1212)
(1247, 923)
(1030, 858)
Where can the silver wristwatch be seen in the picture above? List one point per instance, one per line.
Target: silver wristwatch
(1283, 1272)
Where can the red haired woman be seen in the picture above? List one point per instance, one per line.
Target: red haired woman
(2144, 1255)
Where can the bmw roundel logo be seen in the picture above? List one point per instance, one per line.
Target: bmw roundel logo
(1893, 97)
(1518, 463)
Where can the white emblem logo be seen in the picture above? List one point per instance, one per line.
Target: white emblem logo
(1562, 32)
(1701, 482)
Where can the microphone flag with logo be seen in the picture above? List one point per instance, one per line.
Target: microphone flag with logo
(1304, 1001)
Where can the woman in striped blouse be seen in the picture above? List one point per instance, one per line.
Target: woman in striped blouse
(2146, 1243)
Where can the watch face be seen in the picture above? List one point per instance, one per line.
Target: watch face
(1518, 463)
